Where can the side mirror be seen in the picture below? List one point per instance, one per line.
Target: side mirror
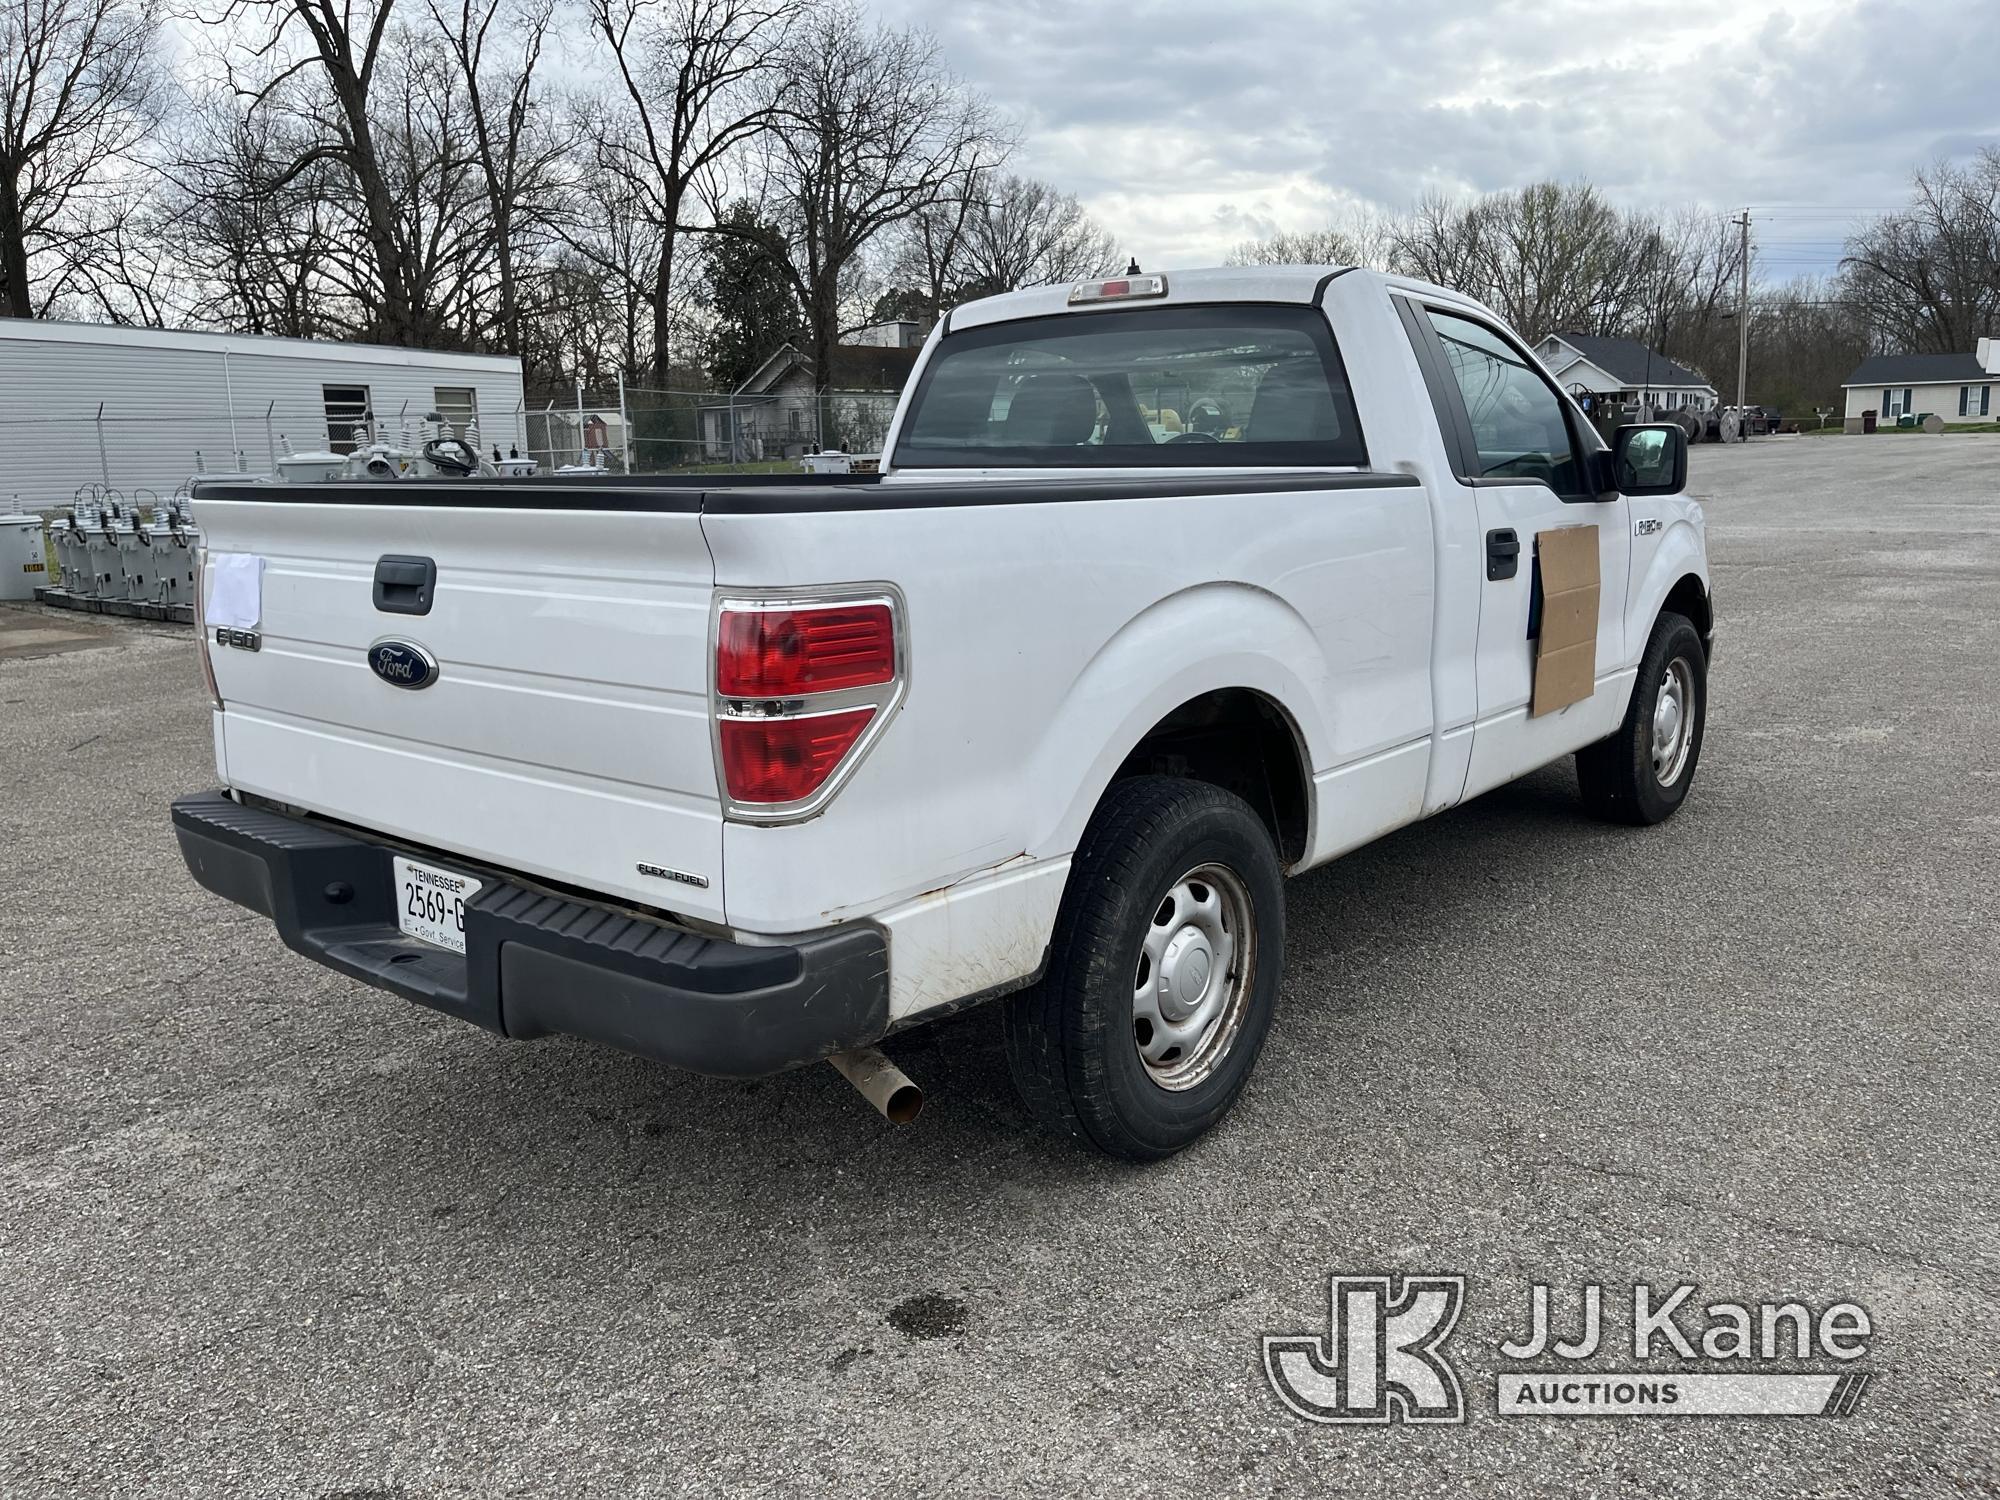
(1649, 460)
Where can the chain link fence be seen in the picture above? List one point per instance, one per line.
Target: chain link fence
(647, 431)
(51, 458)
(126, 452)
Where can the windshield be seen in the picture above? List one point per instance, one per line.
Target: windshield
(1157, 387)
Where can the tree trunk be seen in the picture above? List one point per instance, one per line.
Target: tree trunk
(510, 312)
(14, 301)
(663, 289)
(825, 334)
(663, 284)
(398, 317)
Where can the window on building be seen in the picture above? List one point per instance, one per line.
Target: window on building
(1975, 401)
(347, 410)
(459, 406)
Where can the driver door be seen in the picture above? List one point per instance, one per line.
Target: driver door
(1526, 461)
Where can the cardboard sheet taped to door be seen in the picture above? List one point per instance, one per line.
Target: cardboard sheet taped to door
(1566, 650)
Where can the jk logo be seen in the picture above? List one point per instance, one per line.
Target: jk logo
(1379, 1360)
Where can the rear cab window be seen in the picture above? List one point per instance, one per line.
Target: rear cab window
(1225, 386)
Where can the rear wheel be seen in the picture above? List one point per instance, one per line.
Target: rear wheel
(1641, 774)
(1162, 975)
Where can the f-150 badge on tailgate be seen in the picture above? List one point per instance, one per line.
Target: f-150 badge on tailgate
(402, 665)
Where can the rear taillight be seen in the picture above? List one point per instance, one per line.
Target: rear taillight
(803, 685)
(207, 642)
(782, 653)
(786, 759)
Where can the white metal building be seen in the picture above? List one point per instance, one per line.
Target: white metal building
(141, 409)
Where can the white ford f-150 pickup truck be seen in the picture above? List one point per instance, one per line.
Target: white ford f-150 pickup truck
(1169, 586)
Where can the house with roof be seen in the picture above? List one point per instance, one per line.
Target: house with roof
(1957, 387)
(1625, 371)
(779, 412)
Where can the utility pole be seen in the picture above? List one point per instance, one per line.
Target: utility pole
(1743, 318)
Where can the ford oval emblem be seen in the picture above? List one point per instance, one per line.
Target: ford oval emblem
(402, 665)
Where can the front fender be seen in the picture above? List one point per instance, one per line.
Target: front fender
(1208, 638)
(1682, 552)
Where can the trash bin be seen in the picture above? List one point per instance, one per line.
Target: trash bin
(24, 562)
(1907, 419)
(1868, 421)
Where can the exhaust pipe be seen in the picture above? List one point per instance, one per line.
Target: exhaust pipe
(881, 1083)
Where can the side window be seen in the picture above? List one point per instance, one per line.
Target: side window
(1518, 427)
(346, 412)
(459, 406)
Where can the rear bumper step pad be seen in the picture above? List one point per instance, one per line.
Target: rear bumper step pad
(536, 963)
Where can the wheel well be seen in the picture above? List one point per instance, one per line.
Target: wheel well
(1689, 598)
(1241, 741)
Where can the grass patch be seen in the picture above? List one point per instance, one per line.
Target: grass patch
(1834, 430)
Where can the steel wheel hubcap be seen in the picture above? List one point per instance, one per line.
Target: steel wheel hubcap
(1673, 722)
(1192, 985)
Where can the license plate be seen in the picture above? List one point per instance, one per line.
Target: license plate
(430, 903)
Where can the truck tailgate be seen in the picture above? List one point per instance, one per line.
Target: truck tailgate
(567, 732)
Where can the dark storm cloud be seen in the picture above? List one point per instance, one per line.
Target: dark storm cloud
(1187, 126)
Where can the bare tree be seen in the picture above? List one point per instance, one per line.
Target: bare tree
(517, 148)
(427, 157)
(1929, 277)
(1804, 340)
(1026, 233)
(611, 230)
(252, 256)
(869, 130)
(997, 235)
(1442, 240)
(1359, 239)
(320, 62)
(688, 70)
(929, 271)
(1685, 306)
(1558, 257)
(78, 95)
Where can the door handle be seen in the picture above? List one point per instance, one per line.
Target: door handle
(1503, 554)
(404, 585)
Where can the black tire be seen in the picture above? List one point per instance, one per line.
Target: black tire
(1617, 774)
(1073, 1041)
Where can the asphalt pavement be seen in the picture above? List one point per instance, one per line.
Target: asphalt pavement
(266, 1232)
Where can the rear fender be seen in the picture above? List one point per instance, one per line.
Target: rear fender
(1204, 639)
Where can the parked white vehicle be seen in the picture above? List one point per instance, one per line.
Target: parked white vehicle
(1169, 586)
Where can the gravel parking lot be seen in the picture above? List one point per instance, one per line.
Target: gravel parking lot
(265, 1232)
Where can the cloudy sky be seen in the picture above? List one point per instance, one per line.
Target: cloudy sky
(1187, 126)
